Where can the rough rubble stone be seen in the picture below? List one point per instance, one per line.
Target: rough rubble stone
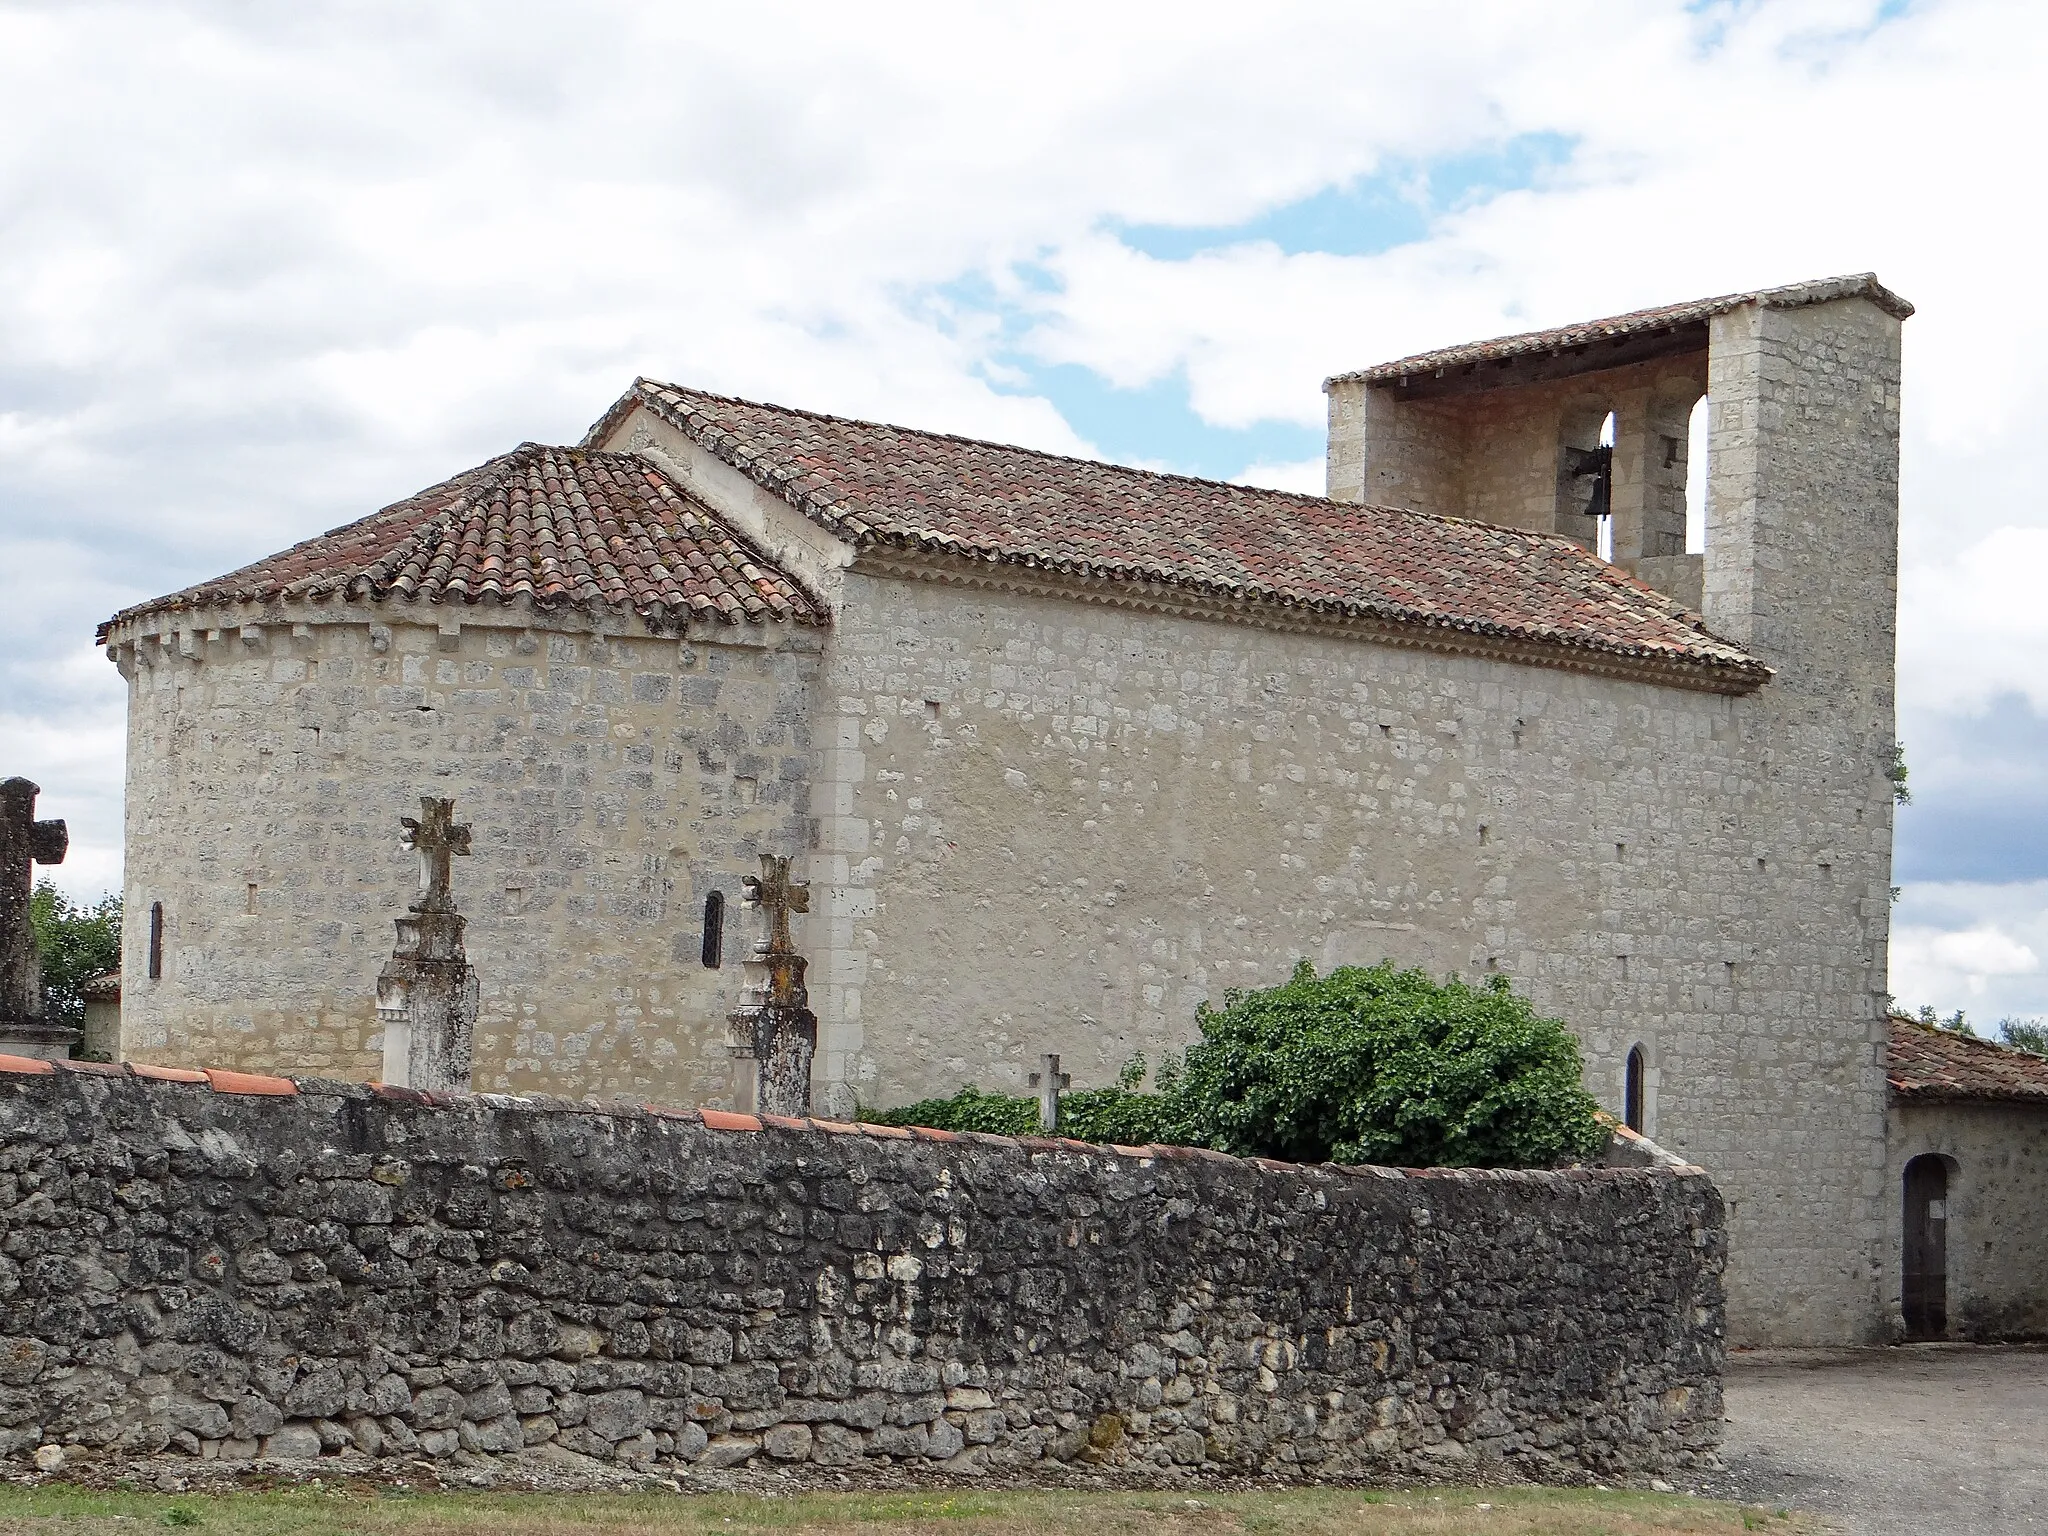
(711, 1298)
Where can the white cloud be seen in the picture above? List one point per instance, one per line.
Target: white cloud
(1976, 623)
(1974, 946)
(1305, 476)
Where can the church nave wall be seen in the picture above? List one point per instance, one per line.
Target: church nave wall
(1049, 825)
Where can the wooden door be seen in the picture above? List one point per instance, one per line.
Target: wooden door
(1924, 1291)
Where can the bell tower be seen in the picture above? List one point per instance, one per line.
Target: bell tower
(1773, 1006)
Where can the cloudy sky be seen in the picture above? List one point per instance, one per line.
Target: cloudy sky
(264, 268)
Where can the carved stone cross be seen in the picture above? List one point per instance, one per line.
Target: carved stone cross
(24, 842)
(778, 895)
(435, 837)
(780, 1031)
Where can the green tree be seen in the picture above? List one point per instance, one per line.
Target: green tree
(1954, 1023)
(2029, 1035)
(75, 944)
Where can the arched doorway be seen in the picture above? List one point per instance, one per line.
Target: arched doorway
(1923, 1293)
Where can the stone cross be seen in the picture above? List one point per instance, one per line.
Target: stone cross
(25, 842)
(435, 837)
(427, 991)
(777, 895)
(777, 1026)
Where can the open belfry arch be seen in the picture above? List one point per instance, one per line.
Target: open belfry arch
(1062, 750)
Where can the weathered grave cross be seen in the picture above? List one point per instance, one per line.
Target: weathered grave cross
(24, 841)
(782, 1029)
(434, 837)
(778, 895)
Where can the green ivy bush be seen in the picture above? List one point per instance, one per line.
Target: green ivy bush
(1365, 1065)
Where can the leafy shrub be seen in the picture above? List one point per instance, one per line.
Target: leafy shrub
(1092, 1114)
(997, 1114)
(1377, 1065)
(1365, 1065)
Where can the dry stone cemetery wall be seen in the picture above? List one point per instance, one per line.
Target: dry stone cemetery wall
(236, 1268)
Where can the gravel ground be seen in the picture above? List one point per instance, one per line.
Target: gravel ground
(1932, 1438)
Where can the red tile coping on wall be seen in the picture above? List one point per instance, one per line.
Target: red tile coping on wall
(156, 1074)
(726, 1120)
(255, 1083)
(263, 1085)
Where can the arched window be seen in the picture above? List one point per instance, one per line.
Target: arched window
(156, 941)
(1635, 1089)
(714, 930)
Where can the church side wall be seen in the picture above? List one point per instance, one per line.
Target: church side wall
(1997, 1212)
(612, 782)
(1049, 825)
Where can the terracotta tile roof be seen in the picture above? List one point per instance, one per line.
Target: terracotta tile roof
(1926, 1063)
(876, 485)
(1643, 321)
(565, 527)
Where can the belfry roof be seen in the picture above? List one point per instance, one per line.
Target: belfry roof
(563, 527)
(1641, 322)
(1927, 1063)
(1418, 575)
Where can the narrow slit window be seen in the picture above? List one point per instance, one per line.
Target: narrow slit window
(714, 930)
(1634, 1088)
(156, 941)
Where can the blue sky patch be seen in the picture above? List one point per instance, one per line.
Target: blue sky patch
(1157, 425)
(1394, 207)
(1980, 800)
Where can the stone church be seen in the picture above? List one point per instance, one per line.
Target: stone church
(1067, 748)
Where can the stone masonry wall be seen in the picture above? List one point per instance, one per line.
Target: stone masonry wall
(1109, 817)
(234, 1267)
(1997, 1211)
(613, 781)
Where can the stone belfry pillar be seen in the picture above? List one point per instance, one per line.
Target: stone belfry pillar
(427, 992)
(24, 842)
